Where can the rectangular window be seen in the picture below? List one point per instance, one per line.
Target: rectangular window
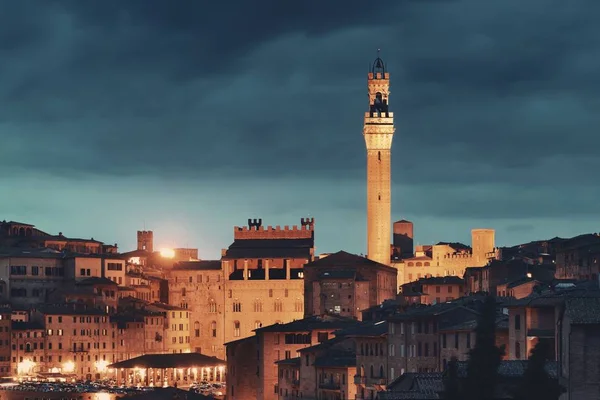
(517, 322)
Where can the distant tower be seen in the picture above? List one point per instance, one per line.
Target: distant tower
(403, 238)
(145, 240)
(378, 132)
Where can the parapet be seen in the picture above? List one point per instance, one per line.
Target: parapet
(255, 230)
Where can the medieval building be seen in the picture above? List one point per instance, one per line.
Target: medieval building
(378, 132)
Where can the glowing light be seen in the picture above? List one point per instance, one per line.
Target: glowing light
(167, 253)
(529, 275)
(102, 396)
(25, 367)
(101, 365)
(68, 366)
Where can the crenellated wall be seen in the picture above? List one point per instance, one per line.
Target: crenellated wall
(255, 230)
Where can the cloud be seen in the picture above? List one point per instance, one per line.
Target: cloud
(495, 103)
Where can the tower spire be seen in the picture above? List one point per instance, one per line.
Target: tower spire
(378, 132)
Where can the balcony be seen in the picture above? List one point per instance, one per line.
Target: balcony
(359, 380)
(330, 386)
(295, 383)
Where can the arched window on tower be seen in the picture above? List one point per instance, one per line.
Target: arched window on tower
(379, 156)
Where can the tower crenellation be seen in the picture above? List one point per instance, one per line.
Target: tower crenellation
(145, 241)
(378, 132)
(255, 230)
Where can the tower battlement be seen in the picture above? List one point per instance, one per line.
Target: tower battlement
(255, 230)
(145, 241)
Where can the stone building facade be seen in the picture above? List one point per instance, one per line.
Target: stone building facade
(447, 259)
(345, 284)
(258, 282)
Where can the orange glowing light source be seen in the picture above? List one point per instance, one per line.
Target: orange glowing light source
(167, 253)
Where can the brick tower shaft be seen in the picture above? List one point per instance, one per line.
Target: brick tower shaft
(378, 132)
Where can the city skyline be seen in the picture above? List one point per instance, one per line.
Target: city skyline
(120, 118)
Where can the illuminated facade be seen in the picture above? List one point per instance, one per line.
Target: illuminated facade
(258, 282)
(378, 133)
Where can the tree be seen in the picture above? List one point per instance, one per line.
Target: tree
(451, 382)
(485, 357)
(536, 383)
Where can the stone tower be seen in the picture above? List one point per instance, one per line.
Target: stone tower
(378, 132)
(145, 241)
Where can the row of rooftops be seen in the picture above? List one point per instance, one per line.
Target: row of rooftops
(582, 304)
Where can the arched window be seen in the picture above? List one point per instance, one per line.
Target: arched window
(517, 350)
(213, 329)
(381, 372)
(183, 292)
(257, 324)
(372, 371)
(236, 328)
(197, 329)
(410, 264)
(419, 264)
(212, 306)
(427, 263)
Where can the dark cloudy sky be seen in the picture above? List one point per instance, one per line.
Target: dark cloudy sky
(188, 117)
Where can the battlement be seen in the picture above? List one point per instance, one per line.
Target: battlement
(458, 255)
(145, 241)
(389, 119)
(255, 230)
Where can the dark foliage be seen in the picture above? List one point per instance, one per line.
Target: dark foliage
(485, 357)
(537, 384)
(451, 382)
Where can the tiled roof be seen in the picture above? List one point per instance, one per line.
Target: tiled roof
(175, 360)
(583, 310)
(511, 368)
(201, 265)
(290, 361)
(425, 386)
(344, 259)
(329, 322)
(365, 329)
(270, 248)
(95, 280)
(336, 359)
(69, 309)
(550, 297)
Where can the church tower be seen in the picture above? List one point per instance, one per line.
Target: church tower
(378, 132)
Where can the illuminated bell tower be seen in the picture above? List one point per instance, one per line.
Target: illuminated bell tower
(378, 132)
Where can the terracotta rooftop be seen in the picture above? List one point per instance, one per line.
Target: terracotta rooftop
(345, 259)
(175, 360)
(330, 322)
(583, 310)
